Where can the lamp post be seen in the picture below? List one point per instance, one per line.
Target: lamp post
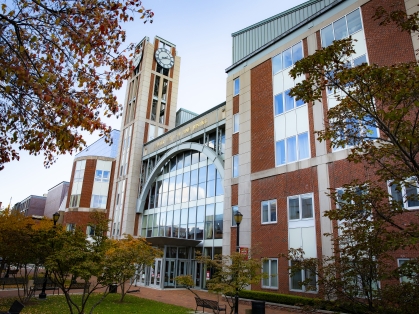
(238, 219)
(43, 295)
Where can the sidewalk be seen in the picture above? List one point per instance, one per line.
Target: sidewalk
(181, 297)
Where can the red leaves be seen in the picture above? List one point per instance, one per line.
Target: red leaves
(52, 82)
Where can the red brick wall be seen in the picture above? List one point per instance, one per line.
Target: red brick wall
(88, 179)
(234, 194)
(386, 44)
(262, 118)
(269, 240)
(236, 101)
(81, 219)
(145, 132)
(168, 103)
(235, 146)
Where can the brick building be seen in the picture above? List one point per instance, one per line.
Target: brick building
(180, 185)
(90, 183)
(276, 173)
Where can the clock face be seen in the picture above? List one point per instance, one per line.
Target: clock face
(137, 59)
(164, 58)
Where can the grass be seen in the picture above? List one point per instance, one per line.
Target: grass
(110, 305)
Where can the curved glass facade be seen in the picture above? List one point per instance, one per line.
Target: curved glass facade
(183, 214)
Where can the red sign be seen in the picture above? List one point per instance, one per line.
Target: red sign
(208, 274)
(244, 251)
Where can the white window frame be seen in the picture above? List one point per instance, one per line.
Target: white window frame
(70, 227)
(282, 59)
(303, 287)
(270, 286)
(269, 202)
(297, 146)
(235, 161)
(300, 196)
(404, 194)
(101, 176)
(236, 123)
(236, 91)
(346, 21)
(74, 200)
(404, 278)
(89, 230)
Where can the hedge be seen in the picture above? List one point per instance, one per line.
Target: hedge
(280, 298)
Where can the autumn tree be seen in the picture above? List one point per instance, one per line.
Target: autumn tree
(231, 274)
(73, 256)
(60, 63)
(16, 232)
(368, 229)
(127, 257)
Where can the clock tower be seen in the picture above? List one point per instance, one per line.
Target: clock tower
(149, 111)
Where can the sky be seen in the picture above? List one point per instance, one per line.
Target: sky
(201, 31)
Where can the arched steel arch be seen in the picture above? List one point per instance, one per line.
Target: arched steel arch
(211, 155)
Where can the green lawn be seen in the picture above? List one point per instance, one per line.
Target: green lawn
(57, 304)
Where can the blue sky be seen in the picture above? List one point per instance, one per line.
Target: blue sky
(201, 31)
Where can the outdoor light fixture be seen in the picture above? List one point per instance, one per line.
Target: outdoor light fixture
(43, 295)
(55, 217)
(238, 219)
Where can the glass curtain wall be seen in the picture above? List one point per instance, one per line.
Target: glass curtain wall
(186, 202)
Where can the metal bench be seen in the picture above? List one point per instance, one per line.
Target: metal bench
(12, 281)
(209, 304)
(38, 285)
(80, 285)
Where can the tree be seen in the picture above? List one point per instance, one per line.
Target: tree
(71, 255)
(60, 62)
(16, 232)
(368, 222)
(231, 274)
(127, 257)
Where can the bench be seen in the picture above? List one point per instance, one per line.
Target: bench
(38, 284)
(209, 304)
(12, 281)
(80, 285)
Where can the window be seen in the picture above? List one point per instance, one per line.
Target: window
(71, 227)
(300, 207)
(407, 193)
(341, 28)
(303, 275)
(98, 201)
(235, 166)
(270, 267)
(90, 231)
(287, 58)
(292, 149)
(269, 211)
(285, 100)
(75, 200)
(102, 176)
(234, 210)
(236, 121)
(406, 274)
(236, 84)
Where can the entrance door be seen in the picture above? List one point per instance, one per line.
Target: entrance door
(169, 273)
(155, 273)
(197, 274)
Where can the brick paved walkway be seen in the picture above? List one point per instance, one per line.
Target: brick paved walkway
(181, 297)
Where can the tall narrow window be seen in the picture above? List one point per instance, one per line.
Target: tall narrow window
(270, 268)
(268, 211)
(235, 166)
(236, 86)
(236, 121)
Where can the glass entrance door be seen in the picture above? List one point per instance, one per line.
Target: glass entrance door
(197, 274)
(169, 273)
(155, 273)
